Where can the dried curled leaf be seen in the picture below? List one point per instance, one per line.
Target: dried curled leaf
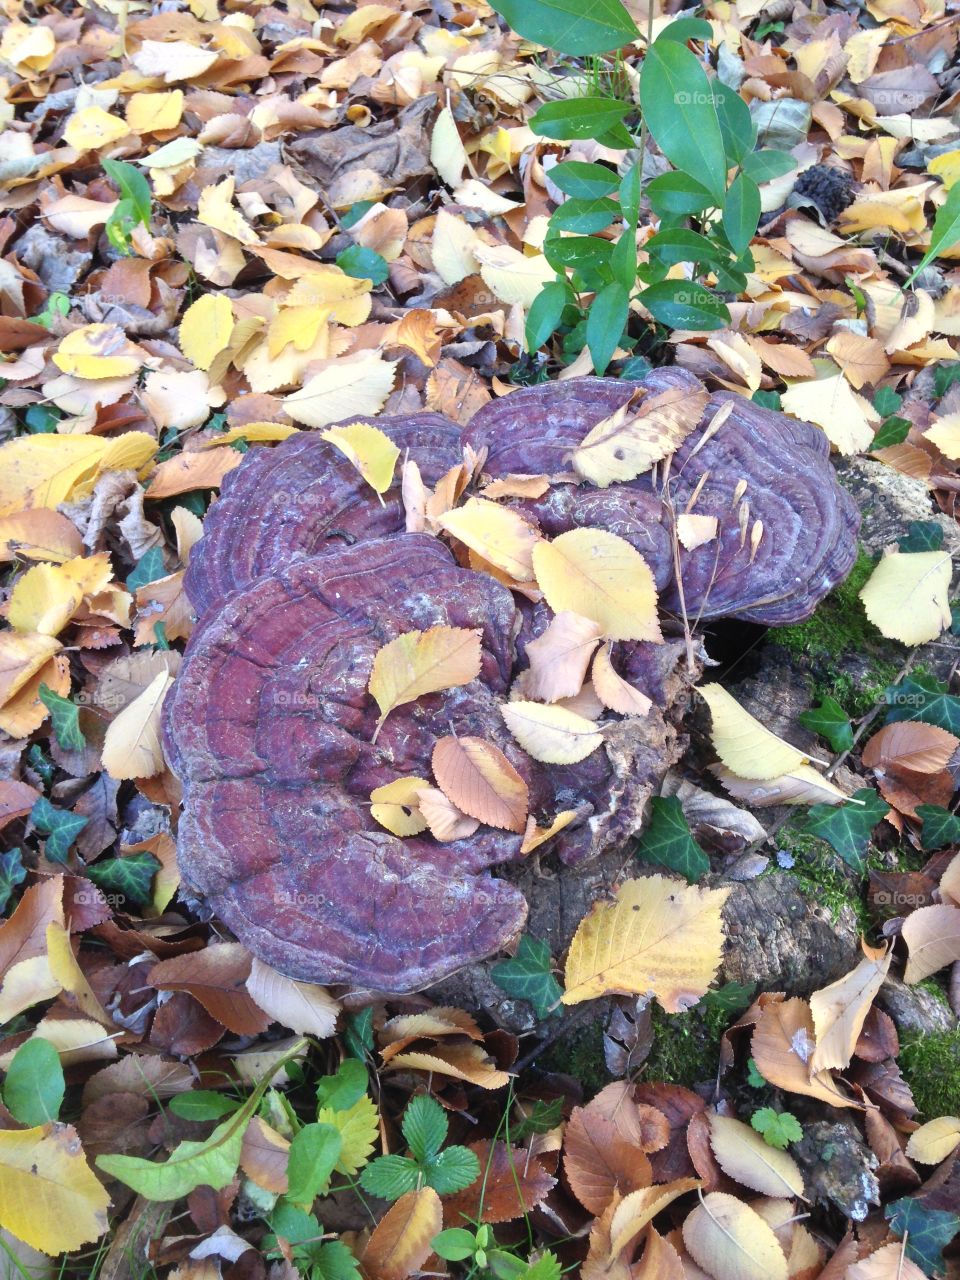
(932, 935)
(840, 1010)
(445, 820)
(600, 576)
(743, 743)
(613, 691)
(659, 937)
(551, 735)
(559, 658)
(481, 782)
(419, 662)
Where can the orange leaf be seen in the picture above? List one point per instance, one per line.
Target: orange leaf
(481, 782)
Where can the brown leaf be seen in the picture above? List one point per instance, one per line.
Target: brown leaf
(921, 747)
(445, 820)
(839, 1010)
(932, 935)
(264, 1156)
(559, 658)
(600, 1162)
(783, 1046)
(613, 691)
(511, 1183)
(216, 978)
(400, 1243)
(479, 779)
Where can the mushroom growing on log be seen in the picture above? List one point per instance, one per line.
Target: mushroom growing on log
(302, 576)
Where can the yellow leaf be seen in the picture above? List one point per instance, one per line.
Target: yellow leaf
(447, 154)
(355, 384)
(600, 576)
(215, 209)
(498, 534)
(481, 782)
(419, 662)
(253, 431)
(39, 535)
(24, 712)
(20, 658)
(742, 742)
(401, 1240)
(729, 1239)
(178, 399)
(551, 735)
(906, 596)
(76, 990)
(945, 434)
(299, 325)
(637, 435)
(660, 937)
(172, 60)
(839, 1010)
(396, 806)
(740, 357)
(514, 277)
(92, 128)
(98, 351)
(358, 1127)
(534, 836)
(847, 420)
(361, 21)
(934, 1141)
(640, 1207)
(946, 166)
(30, 47)
(45, 470)
(49, 1195)
(743, 1155)
(206, 328)
(48, 595)
(370, 450)
(154, 112)
(131, 748)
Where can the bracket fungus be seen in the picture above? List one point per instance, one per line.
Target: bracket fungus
(304, 576)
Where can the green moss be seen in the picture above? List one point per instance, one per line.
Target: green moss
(580, 1054)
(840, 627)
(822, 875)
(930, 1062)
(686, 1046)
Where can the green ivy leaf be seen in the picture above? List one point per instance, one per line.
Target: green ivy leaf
(59, 826)
(12, 873)
(848, 827)
(390, 1177)
(149, 568)
(529, 976)
(894, 431)
(131, 876)
(343, 1090)
(363, 264)
(768, 400)
(830, 721)
(778, 1128)
(65, 716)
(358, 1034)
(922, 535)
(927, 1232)
(452, 1170)
(314, 1153)
(34, 1087)
(424, 1126)
(570, 26)
(668, 843)
(940, 827)
(731, 998)
(944, 376)
(923, 698)
(886, 401)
